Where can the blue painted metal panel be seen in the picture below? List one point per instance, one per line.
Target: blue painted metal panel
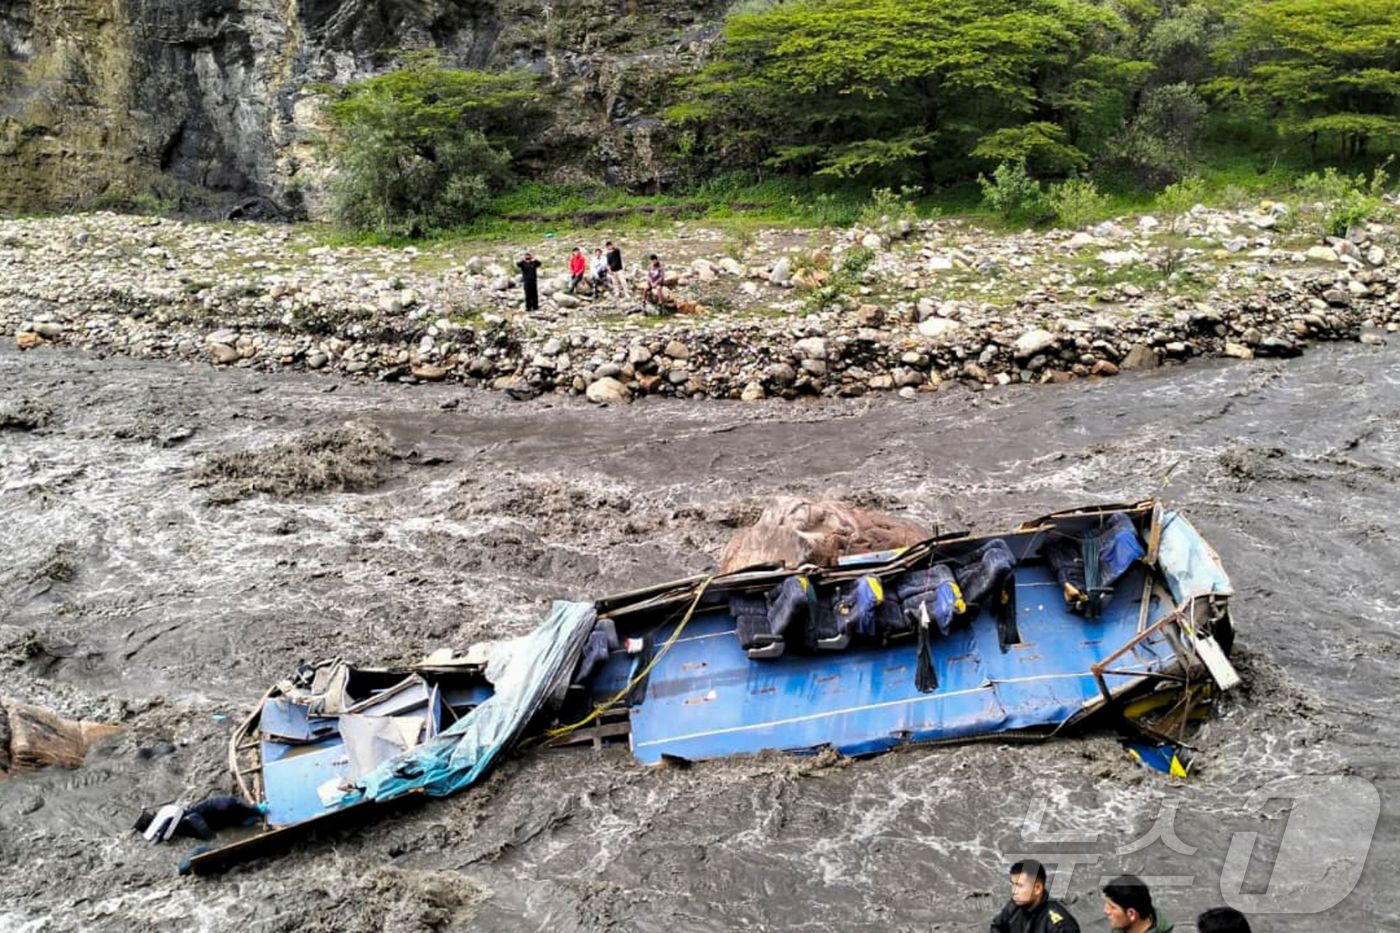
(291, 775)
(707, 699)
(462, 699)
(288, 720)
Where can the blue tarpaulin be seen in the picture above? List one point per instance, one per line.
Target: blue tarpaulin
(1191, 566)
(524, 672)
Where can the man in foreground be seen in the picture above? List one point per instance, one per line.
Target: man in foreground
(1030, 909)
(1222, 920)
(1128, 906)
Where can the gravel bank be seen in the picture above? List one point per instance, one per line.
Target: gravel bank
(785, 313)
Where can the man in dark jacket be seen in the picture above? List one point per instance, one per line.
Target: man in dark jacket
(1030, 909)
(619, 281)
(1127, 903)
(529, 272)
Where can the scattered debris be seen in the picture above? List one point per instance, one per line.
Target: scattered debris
(32, 738)
(25, 415)
(349, 458)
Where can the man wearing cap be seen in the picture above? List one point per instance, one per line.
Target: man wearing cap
(1030, 909)
(1128, 906)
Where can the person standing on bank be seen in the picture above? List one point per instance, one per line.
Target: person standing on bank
(1030, 909)
(615, 269)
(1128, 906)
(529, 277)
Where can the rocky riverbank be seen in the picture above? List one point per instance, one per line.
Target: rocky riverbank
(901, 307)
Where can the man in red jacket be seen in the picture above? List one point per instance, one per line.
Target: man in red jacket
(578, 267)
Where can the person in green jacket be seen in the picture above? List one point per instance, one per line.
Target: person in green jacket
(1128, 906)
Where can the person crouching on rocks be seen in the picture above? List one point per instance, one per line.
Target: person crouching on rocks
(578, 267)
(656, 282)
(600, 273)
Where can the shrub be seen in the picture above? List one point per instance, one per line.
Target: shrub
(739, 244)
(1013, 193)
(1075, 202)
(1175, 113)
(1179, 197)
(1346, 201)
(857, 261)
(423, 148)
(888, 207)
(392, 190)
(824, 209)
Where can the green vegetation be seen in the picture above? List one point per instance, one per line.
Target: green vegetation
(1119, 100)
(423, 148)
(910, 90)
(1319, 69)
(1345, 201)
(880, 112)
(938, 90)
(1013, 194)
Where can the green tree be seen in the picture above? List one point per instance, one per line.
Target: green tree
(1180, 40)
(424, 147)
(1320, 68)
(1158, 145)
(912, 89)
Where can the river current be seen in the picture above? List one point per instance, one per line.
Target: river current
(134, 587)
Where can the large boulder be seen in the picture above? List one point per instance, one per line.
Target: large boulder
(936, 327)
(1033, 342)
(782, 273)
(1140, 357)
(794, 531)
(608, 391)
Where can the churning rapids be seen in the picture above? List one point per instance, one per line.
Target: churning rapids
(148, 577)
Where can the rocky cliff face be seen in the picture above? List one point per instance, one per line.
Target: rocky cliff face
(208, 100)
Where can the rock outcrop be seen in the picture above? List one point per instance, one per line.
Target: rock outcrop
(213, 102)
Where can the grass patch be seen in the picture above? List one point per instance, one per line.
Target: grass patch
(1142, 274)
(737, 205)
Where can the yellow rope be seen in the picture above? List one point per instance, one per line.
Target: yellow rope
(641, 675)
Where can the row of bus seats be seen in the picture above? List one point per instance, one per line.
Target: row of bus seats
(942, 596)
(793, 616)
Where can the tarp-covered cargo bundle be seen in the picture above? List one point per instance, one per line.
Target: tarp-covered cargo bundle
(794, 532)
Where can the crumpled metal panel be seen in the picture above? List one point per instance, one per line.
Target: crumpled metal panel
(523, 677)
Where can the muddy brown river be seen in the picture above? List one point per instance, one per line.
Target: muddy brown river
(151, 574)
